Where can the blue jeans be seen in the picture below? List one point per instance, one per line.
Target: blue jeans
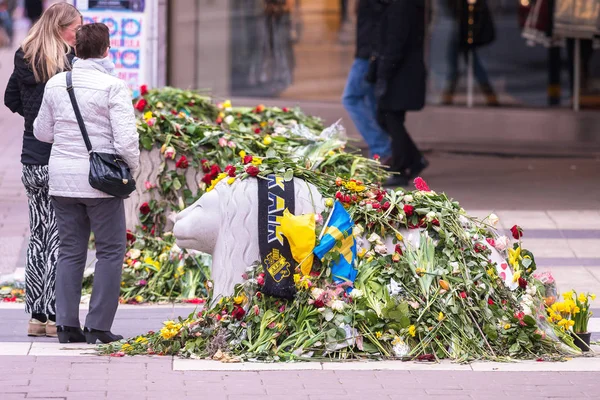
(452, 55)
(359, 101)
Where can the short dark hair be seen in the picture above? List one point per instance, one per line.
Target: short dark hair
(92, 40)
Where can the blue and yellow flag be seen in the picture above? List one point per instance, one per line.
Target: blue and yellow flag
(339, 228)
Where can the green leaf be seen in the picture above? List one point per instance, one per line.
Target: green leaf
(529, 320)
(147, 142)
(289, 175)
(514, 349)
(176, 184)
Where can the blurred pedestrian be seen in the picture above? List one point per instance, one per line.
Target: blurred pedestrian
(108, 117)
(400, 83)
(473, 27)
(359, 95)
(46, 50)
(34, 10)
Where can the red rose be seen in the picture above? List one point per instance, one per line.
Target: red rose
(376, 205)
(141, 104)
(260, 280)
(153, 230)
(491, 302)
(257, 130)
(479, 247)
(247, 159)
(230, 169)
(386, 205)
(376, 157)
(145, 209)
(130, 236)
(285, 109)
(517, 232)
(144, 90)
(339, 196)
(522, 283)
(420, 184)
(379, 197)
(319, 304)
(409, 210)
(182, 163)
(492, 242)
(205, 165)
(252, 170)
(347, 198)
(398, 249)
(463, 295)
(238, 313)
(215, 170)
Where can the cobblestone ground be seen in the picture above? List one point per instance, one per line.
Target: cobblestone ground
(90, 378)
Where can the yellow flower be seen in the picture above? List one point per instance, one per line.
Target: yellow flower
(514, 255)
(378, 334)
(139, 299)
(331, 153)
(359, 188)
(239, 299)
(230, 181)
(122, 283)
(141, 339)
(593, 296)
(154, 263)
(329, 202)
(221, 114)
(350, 185)
(296, 278)
(242, 153)
(256, 160)
(491, 272)
(582, 298)
(397, 340)
(516, 276)
(263, 124)
(147, 115)
(218, 179)
(362, 252)
(440, 316)
(412, 331)
(159, 105)
(126, 347)
(568, 295)
(227, 104)
(506, 326)
(267, 140)
(420, 271)
(399, 236)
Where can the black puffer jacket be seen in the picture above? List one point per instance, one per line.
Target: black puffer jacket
(24, 95)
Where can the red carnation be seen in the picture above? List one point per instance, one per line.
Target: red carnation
(517, 232)
(409, 210)
(141, 104)
(252, 170)
(491, 302)
(247, 159)
(386, 205)
(463, 295)
(230, 169)
(182, 162)
(144, 90)
(420, 184)
(376, 205)
(205, 165)
(238, 313)
(145, 209)
(522, 283)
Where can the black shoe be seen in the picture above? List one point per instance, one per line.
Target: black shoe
(395, 181)
(417, 168)
(70, 334)
(92, 335)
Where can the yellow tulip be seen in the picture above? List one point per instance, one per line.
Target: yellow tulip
(267, 140)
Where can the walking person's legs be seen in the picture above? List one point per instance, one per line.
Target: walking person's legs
(359, 101)
(107, 218)
(40, 268)
(452, 52)
(483, 79)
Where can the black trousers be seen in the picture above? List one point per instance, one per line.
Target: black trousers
(405, 153)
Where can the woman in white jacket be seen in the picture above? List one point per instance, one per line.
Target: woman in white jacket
(106, 107)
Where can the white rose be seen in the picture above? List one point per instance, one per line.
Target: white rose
(501, 243)
(356, 293)
(134, 254)
(493, 218)
(381, 249)
(337, 305)
(229, 119)
(408, 198)
(430, 216)
(374, 238)
(316, 292)
(358, 230)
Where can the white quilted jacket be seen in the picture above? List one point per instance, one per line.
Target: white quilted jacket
(107, 111)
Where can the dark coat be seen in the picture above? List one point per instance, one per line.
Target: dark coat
(366, 27)
(24, 95)
(401, 69)
(481, 30)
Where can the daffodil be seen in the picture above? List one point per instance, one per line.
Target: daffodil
(514, 255)
(239, 299)
(440, 316)
(242, 153)
(568, 295)
(256, 160)
(147, 115)
(593, 296)
(582, 298)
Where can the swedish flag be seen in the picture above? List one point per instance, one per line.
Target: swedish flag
(339, 228)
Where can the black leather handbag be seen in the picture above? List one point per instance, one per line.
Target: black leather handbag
(108, 172)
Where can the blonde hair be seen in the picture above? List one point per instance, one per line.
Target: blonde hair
(45, 49)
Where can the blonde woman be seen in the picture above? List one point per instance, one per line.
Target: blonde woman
(46, 51)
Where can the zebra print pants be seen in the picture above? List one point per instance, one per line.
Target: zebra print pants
(42, 252)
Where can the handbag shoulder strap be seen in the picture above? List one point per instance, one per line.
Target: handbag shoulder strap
(84, 133)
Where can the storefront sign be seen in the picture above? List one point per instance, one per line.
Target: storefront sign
(129, 24)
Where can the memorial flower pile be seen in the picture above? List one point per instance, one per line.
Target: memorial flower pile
(438, 294)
